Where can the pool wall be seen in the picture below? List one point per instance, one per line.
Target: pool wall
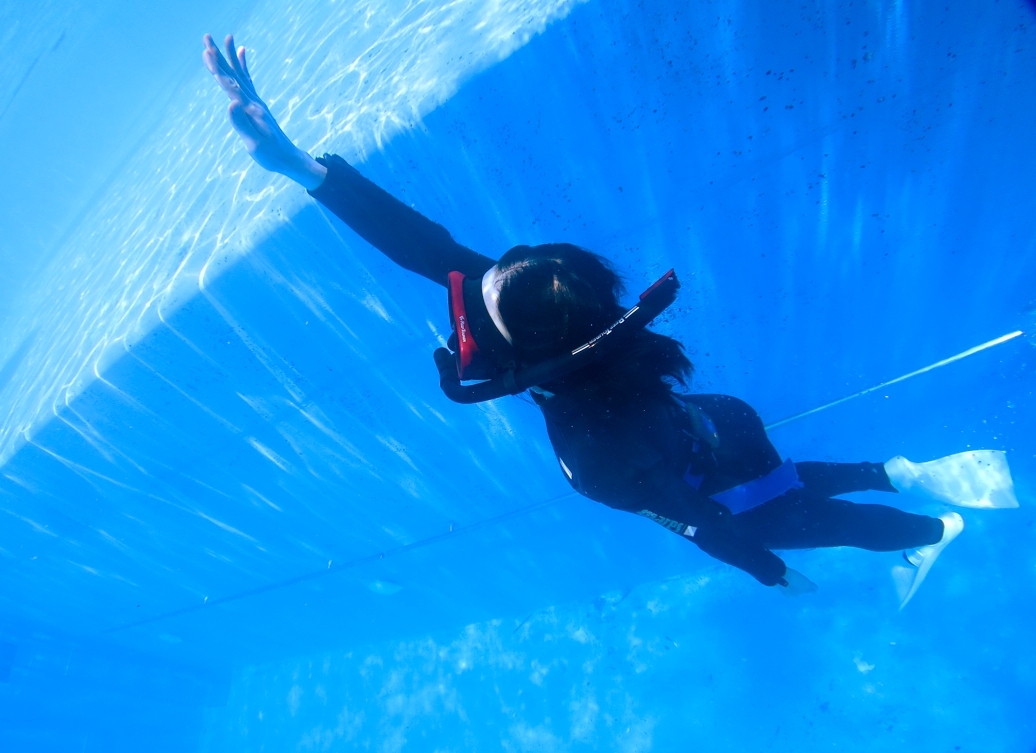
(258, 524)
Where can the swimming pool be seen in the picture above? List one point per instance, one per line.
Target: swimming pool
(240, 515)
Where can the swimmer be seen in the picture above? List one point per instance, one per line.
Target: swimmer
(547, 319)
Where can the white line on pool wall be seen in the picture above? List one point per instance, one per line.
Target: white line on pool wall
(936, 365)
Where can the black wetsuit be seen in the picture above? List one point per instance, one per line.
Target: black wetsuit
(636, 455)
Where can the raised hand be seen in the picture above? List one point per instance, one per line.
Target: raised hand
(263, 138)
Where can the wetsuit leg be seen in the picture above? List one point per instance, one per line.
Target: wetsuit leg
(832, 479)
(808, 517)
(800, 520)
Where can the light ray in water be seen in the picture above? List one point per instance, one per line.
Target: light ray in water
(944, 362)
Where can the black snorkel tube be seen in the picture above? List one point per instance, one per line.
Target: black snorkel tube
(653, 302)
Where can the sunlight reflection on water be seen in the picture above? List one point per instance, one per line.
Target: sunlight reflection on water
(340, 76)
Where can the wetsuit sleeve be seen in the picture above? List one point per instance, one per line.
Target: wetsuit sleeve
(721, 542)
(683, 510)
(405, 236)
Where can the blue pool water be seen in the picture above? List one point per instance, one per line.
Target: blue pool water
(238, 514)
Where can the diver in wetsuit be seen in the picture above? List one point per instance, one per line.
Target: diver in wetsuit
(547, 319)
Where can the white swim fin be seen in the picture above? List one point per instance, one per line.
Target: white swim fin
(979, 478)
(909, 579)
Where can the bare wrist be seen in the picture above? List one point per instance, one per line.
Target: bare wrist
(308, 173)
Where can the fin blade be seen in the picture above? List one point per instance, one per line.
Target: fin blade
(903, 577)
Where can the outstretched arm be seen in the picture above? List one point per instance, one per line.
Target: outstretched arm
(716, 535)
(682, 509)
(404, 235)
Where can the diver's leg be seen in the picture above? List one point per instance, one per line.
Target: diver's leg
(745, 451)
(798, 520)
(832, 479)
(804, 521)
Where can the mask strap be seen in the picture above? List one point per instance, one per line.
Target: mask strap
(492, 281)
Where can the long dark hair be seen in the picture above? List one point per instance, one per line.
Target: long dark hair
(557, 296)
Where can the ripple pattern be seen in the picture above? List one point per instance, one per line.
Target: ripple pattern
(340, 76)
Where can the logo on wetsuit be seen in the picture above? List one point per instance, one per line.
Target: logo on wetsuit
(673, 525)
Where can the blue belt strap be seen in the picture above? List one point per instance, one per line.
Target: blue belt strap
(780, 480)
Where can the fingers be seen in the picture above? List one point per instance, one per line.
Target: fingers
(208, 55)
(212, 52)
(214, 60)
(237, 63)
(210, 62)
(243, 65)
(232, 77)
(226, 81)
(241, 60)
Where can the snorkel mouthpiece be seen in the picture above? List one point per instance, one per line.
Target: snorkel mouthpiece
(653, 302)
